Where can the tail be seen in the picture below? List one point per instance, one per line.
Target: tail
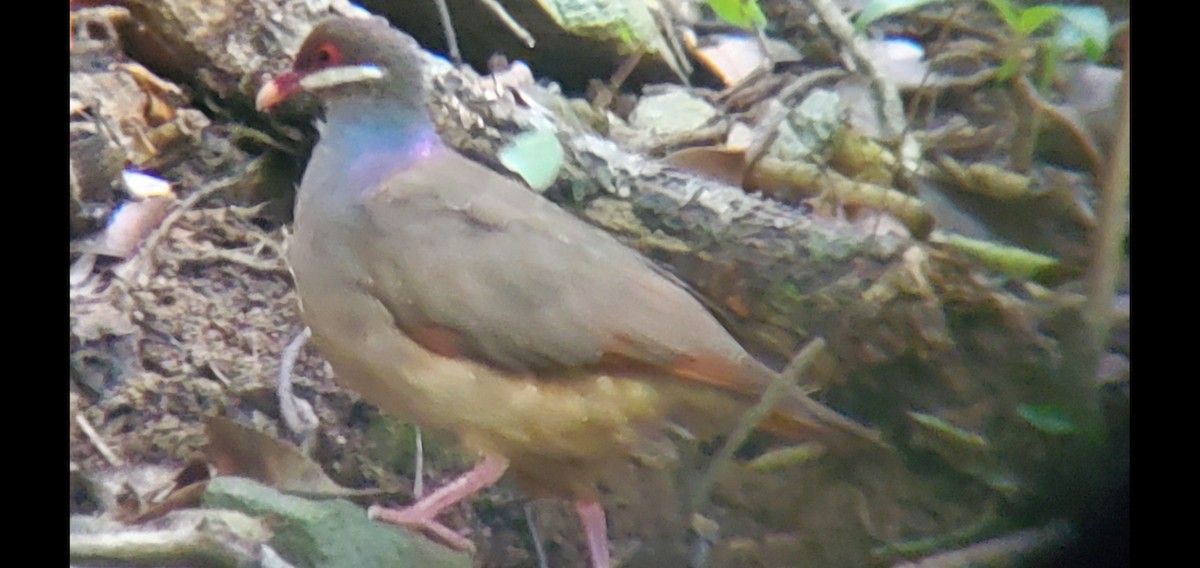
(798, 417)
(795, 416)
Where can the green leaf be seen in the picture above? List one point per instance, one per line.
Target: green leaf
(1046, 417)
(1007, 69)
(1007, 12)
(1010, 261)
(742, 13)
(536, 156)
(876, 9)
(1035, 17)
(1083, 29)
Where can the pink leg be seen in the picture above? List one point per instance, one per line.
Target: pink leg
(422, 514)
(591, 516)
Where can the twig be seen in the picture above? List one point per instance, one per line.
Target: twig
(943, 36)
(775, 392)
(1040, 106)
(706, 532)
(793, 180)
(760, 37)
(143, 260)
(970, 81)
(1024, 139)
(605, 97)
(296, 412)
(963, 27)
(769, 125)
(1111, 217)
(448, 28)
(219, 374)
(94, 437)
(205, 539)
(538, 548)
(508, 21)
(665, 18)
(247, 261)
(891, 110)
(419, 478)
(1005, 550)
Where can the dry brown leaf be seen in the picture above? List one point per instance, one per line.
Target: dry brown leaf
(122, 492)
(184, 493)
(730, 58)
(721, 164)
(734, 58)
(236, 449)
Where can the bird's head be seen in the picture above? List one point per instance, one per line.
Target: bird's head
(349, 57)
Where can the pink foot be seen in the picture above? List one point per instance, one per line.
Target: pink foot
(591, 516)
(422, 515)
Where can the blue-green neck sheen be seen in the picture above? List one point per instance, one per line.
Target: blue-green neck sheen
(371, 138)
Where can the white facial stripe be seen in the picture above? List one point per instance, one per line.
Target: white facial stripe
(335, 76)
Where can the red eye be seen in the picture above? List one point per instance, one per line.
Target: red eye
(327, 55)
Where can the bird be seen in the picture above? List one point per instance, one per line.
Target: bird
(458, 299)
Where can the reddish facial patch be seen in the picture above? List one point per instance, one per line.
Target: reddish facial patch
(309, 60)
(323, 55)
(328, 54)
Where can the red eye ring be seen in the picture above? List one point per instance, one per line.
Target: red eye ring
(328, 54)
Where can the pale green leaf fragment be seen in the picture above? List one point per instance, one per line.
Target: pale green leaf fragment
(1007, 69)
(781, 458)
(1003, 484)
(1007, 12)
(536, 156)
(948, 431)
(1010, 261)
(1032, 19)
